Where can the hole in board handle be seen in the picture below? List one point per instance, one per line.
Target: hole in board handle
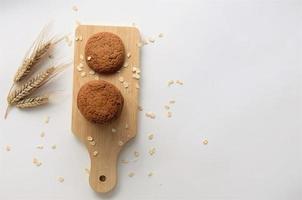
(102, 178)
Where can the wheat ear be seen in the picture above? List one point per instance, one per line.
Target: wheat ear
(38, 50)
(33, 102)
(30, 86)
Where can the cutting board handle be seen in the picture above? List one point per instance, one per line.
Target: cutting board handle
(103, 172)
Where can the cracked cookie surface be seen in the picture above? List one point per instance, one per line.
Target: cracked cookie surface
(104, 52)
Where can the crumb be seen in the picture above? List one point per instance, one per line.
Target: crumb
(89, 138)
(113, 130)
(150, 115)
(160, 35)
(95, 153)
(37, 162)
(137, 86)
(7, 148)
(170, 82)
(179, 82)
(125, 161)
(139, 44)
(140, 108)
(96, 78)
(87, 170)
(128, 55)
(60, 179)
(92, 143)
(136, 76)
(152, 151)
(75, 8)
(136, 153)
(205, 142)
(151, 39)
(169, 114)
(120, 143)
(121, 79)
(126, 64)
(54, 146)
(150, 174)
(46, 120)
(89, 58)
(126, 126)
(151, 136)
(131, 174)
(83, 74)
(167, 107)
(171, 102)
(39, 147)
(91, 72)
(125, 84)
(81, 57)
(80, 38)
(42, 134)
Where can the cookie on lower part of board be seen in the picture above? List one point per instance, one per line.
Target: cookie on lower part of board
(100, 102)
(105, 52)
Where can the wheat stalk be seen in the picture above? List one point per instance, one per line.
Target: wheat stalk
(33, 102)
(29, 63)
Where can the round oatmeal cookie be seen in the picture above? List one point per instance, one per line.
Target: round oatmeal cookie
(105, 52)
(100, 102)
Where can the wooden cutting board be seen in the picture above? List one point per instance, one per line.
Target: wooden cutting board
(103, 172)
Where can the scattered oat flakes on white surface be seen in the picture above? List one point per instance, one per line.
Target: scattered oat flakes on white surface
(152, 151)
(75, 8)
(150, 115)
(128, 55)
(136, 153)
(151, 136)
(39, 146)
(179, 82)
(113, 130)
(46, 119)
(151, 39)
(172, 102)
(54, 147)
(131, 174)
(95, 153)
(60, 179)
(170, 82)
(125, 161)
(7, 148)
(89, 138)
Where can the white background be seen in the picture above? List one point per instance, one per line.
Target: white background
(240, 61)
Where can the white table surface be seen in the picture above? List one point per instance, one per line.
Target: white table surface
(240, 61)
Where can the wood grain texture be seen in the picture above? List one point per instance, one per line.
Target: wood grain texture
(108, 144)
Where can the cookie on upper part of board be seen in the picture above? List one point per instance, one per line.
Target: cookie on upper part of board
(100, 102)
(105, 52)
